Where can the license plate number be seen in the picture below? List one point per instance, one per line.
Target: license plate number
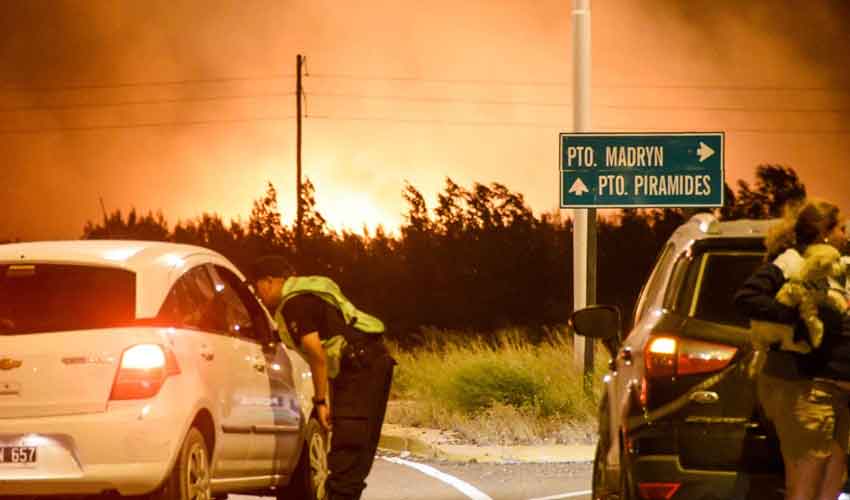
(18, 454)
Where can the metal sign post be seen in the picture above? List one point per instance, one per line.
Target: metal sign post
(584, 220)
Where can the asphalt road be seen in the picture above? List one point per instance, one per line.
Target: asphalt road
(402, 480)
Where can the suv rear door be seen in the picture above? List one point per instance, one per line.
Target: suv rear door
(721, 426)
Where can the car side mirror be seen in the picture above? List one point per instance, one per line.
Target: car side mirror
(599, 322)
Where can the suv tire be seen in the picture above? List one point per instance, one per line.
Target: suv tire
(309, 476)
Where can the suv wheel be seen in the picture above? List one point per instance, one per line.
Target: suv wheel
(190, 478)
(309, 476)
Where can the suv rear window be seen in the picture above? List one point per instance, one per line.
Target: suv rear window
(718, 276)
(37, 298)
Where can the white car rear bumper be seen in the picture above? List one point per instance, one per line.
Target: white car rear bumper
(128, 449)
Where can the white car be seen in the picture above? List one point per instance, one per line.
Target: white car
(144, 368)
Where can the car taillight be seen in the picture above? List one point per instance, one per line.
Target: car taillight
(671, 356)
(142, 371)
(657, 491)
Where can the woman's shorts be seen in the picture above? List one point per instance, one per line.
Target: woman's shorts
(807, 414)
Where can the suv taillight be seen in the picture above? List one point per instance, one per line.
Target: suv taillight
(142, 371)
(668, 356)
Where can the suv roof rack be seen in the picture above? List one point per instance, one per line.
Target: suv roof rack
(706, 222)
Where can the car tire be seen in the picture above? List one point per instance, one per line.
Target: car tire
(190, 477)
(309, 476)
(599, 480)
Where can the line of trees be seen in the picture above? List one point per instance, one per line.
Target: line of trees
(478, 260)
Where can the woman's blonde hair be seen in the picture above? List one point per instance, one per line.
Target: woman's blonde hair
(803, 223)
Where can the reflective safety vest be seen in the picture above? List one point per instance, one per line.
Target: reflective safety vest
(328, 291)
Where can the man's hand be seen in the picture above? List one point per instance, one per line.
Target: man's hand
(324, 414)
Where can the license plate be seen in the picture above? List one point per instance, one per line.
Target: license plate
(21, 455)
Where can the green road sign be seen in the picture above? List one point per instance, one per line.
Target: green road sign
(641, 170)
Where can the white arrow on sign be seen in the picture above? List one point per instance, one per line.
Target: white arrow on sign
(704, 151)
(578, 188)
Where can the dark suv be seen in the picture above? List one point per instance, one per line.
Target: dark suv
(679, 417)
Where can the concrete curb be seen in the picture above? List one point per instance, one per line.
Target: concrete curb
(414, 446)
(407, 440)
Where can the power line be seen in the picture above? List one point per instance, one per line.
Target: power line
(568, 105)
(176, 100)
(471, 123)
(152, 83)
(218, 98)
(735, 109)
(464, 123)
(86, 128)
(434, 80)
(517, 83)
(556, 83)
(550, 125)
(440, 99)
(736, 130)
(730, 87)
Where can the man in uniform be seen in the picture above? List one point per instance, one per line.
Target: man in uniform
(345, 351)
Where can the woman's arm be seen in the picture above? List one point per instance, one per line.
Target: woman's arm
(757, 297)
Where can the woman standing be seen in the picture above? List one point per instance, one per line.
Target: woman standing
(805, 396)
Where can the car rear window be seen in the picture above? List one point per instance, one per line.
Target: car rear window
(37, 298)
(718, 276)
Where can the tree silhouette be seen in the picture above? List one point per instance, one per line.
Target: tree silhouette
(115, 227)
(775, 186)
(312, 222)
(478, 260)
(265, 221)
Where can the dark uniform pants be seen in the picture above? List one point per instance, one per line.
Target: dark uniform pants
(359, 398)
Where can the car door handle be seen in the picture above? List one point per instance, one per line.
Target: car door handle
(260, 366)
(207, 353)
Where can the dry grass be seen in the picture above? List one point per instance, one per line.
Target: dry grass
(498, 389)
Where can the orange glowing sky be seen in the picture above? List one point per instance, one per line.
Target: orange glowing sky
(397, 90)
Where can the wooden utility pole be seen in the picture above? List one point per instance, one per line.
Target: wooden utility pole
(299, 209)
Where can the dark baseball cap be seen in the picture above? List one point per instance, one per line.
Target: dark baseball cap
(273, 266)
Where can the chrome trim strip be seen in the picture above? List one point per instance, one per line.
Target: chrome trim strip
(250, 480)
(276, 429)
(236, 429)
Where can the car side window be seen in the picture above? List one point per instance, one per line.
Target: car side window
(239, 320)
(262, 330)
(655, 283)
(721, 274)
(188, 303)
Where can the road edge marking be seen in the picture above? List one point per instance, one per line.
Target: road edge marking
(565, 495)
(458, 484)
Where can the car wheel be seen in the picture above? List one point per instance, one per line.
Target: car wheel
(309, 476)
(190, 478)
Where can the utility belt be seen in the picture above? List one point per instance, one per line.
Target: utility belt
(362, 351)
